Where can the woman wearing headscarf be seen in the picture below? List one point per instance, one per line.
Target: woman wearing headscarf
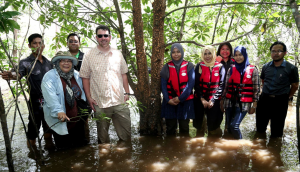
(241, 91)
(209, 85)
(61, 88)
(177, 82)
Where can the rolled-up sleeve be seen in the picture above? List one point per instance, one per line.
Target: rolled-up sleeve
(256, 84)
(85, 69)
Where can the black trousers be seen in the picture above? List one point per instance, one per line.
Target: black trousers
(214, 115)
(76, 136)
(172, 125)
(273, 109)
(38, 114)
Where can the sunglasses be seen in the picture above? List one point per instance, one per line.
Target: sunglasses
(101, 35)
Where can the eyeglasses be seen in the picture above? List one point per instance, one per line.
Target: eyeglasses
(71, 41)
(279, 51)
(101, 35)
(65, 61)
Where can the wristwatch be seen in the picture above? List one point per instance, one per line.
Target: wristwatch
(126, 93)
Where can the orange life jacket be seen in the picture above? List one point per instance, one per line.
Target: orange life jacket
(177, 83)
(210, 80)
(244, 89)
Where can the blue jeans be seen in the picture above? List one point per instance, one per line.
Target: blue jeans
(233, 124)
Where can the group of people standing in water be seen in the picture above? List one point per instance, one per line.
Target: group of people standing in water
(225, 81)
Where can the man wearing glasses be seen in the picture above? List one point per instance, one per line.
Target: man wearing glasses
(280, 81)
(104, 76)
(73, 42)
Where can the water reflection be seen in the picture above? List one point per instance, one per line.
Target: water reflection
(176, 153)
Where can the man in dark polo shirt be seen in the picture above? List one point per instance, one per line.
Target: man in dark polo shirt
(41, 67)
(73, 42)
(280, 81)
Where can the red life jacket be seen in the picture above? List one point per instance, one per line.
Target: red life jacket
(177, 83)
(210, 81)
(244, 89)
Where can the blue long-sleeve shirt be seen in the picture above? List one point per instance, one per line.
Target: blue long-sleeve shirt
(185, 109)
(53, 93)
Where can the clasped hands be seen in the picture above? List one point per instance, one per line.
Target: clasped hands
(207, 104)
(175, 101)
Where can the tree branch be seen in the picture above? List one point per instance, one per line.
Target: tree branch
(229, 26)
(182, 21)
(201, 45)
(296, 14)
(217, 19)
(229, 3)
(106, 12)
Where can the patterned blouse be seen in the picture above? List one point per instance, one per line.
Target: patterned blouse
(256, 91)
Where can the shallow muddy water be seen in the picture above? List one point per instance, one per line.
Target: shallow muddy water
(196, 152)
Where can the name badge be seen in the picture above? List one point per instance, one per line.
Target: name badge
(183, 74)
(248, 76)
(216, 74)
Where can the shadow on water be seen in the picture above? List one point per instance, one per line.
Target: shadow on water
(173, 153)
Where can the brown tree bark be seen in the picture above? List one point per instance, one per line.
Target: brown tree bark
(6, 135)
(143, 87)
(152, 118)
(296, 14)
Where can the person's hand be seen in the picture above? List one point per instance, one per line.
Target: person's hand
(222, 106)
(171, 102)
(92, 102)
(219, 59)
(251, 110)
(204, 102)
(7, 75)
(210, 104)
(62, 116)
(176, 100)
(126, 97)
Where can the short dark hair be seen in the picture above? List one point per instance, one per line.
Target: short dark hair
(73, 34)
(103, 27)
(33, 36)
(280, 43)
(221, 45)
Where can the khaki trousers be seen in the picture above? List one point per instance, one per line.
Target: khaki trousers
(120, 116)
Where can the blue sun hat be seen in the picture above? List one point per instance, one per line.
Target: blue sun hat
(64, 55)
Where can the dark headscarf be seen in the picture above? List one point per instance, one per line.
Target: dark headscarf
(241, 67)
(164, 73)
(67, 76)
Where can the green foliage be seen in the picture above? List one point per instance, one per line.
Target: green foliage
(6, 19)
(102, 116)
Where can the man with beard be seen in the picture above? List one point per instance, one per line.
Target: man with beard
(38, 70)
(73, 42)
(104, 76)
(280, 81)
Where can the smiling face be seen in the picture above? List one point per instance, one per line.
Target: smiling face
(238, 57)
(176, 54)
(73, 44)
(65, 65)
(103, 41)
(208, 56)
(225, 51)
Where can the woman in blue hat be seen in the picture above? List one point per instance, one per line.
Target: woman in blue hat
(62, 88)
